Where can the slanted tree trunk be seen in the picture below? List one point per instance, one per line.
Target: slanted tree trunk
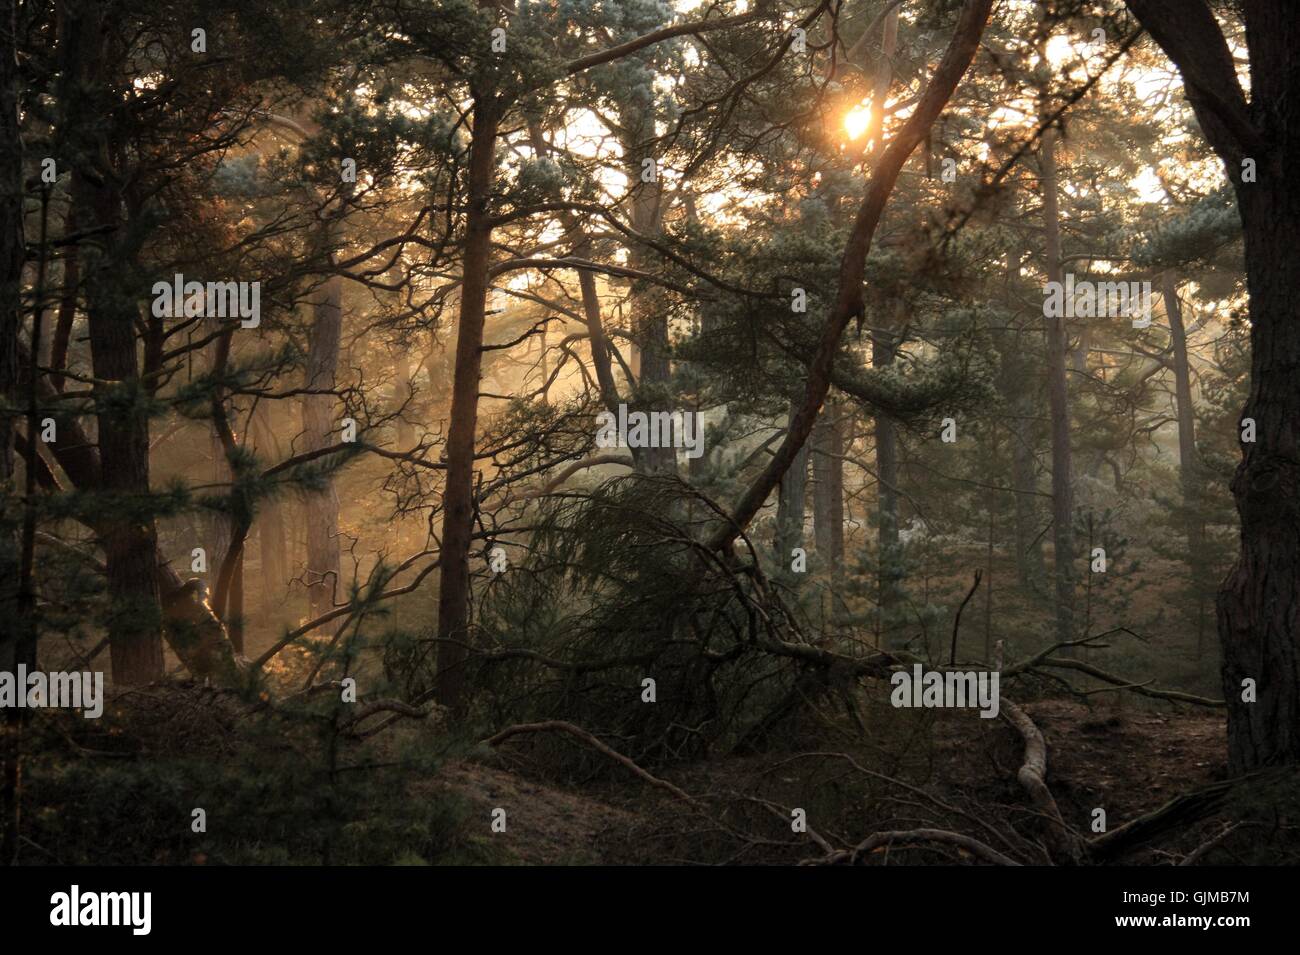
(1059, 403)
(849, 300)
(458, 498)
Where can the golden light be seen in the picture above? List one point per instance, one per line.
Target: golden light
(858, 120)
(1061, 50)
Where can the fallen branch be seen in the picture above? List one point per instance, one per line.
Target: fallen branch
(879, 839)
(1033, 779)
(560, 726)
(1140, 689)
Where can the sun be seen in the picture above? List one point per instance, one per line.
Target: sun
(858, 120)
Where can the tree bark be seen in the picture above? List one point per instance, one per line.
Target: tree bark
(458, 498)
(129, 538)
(193, 631)
(1259, 603)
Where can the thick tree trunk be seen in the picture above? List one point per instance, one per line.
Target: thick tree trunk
(193, 631)
(130, 541)
(458, 498)
(1259, 605)
(1059, 402)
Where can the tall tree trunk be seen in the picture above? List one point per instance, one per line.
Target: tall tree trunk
(1259, 605)
(274, 577)
(791, 507)
(67, 304)
(193, 631)
(129, 537)
(828, 488)
(322, 507)
(884, 349)
(1059, 402)
(1024, 475)
(1018, 385)
(649, 322)
(458, 498)
(889, 549)
(1188, 461)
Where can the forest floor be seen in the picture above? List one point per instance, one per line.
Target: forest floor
(163, 749)
(1127, 761)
